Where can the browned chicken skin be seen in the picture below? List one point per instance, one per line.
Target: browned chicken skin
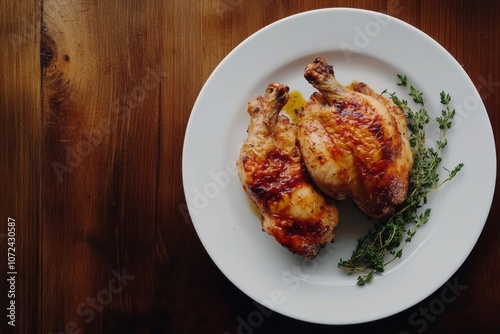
(354, 143)
(274, 177)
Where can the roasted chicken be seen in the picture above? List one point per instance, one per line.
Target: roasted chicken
(354, 143)
(274, 177)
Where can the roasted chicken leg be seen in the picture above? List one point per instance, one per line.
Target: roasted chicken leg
(274, 177)
(354, 143)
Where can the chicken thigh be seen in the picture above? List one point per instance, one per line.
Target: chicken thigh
(354, 143)
(274, 177)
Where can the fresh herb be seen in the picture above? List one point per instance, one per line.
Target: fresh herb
(385, 243)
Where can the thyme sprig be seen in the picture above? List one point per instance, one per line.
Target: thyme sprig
(385, 243)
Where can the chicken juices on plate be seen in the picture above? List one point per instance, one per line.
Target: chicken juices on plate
(274, 177)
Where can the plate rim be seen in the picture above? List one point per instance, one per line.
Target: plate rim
(263, 31)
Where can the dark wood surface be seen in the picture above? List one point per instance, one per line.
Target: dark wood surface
(94, 100)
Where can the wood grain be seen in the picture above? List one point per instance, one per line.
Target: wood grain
(102, 109)
(21, 131)
(95, 97)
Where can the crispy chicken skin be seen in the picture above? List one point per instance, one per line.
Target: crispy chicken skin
(354, 143)
(274, 177)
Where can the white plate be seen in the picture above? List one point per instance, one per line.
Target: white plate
(365, 46)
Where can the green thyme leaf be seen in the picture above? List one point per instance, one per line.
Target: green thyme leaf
(386, 241)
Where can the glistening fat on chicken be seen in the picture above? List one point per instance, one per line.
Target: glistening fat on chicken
(354, 143)
(275, 178)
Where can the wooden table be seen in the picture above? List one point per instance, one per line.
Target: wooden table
(94, 99)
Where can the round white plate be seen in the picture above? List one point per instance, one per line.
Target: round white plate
(365, 46)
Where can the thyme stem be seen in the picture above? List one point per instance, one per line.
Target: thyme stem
(391, 237)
